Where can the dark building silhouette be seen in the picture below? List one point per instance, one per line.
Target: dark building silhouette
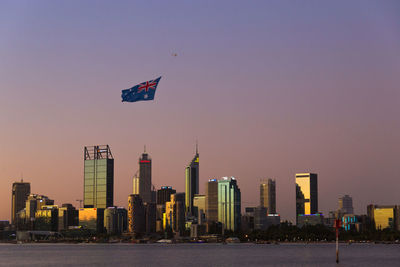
(19, 195)
(145, 191)
(164, 194)
(67, 216)
(212, 201)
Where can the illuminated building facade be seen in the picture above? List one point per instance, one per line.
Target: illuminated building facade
(229, 203)
(199, 205)
(92, 219)
(19, 195)
(385, 217)
(191, 184)
(36, 202)
(306, 194)
(268, 195)
(174, 216)
(98, 177)
(46, 218)
(136, 215)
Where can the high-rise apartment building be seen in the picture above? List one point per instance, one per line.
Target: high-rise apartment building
(19, 195)
(346, 205)
(191, 184)
(136, 215)
(145, 178)
(268, 195)
(306, 194)
(212, 200)
(98, 177)
(229, 203)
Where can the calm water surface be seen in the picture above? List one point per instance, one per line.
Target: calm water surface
(197, 255)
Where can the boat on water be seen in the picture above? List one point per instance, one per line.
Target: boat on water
(232, 240)
(164, 241)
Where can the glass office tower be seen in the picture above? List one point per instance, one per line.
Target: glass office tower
(191, 184)
(98, 177)
(212, 200)
(306, 194)
(268, 195)
(229, 203)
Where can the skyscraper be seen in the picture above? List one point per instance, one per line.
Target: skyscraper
(174, 216)
(229, 203)
(306, 194)
(191, 184)
(212, 200)
(268, 195)
(98, 177)
(145, 178)
(346, 205)
(19, 195)
(164, 194)
(136, 215)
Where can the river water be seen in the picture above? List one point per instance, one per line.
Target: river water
(196, 255)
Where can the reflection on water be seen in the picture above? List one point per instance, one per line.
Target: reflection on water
(197, 254)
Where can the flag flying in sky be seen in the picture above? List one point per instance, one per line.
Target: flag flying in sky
(141, 92)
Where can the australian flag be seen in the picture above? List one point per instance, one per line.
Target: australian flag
(141, 92)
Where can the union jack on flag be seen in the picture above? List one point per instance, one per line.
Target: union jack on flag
(141, 92)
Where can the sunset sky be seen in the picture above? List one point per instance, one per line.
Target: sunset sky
(268, 88)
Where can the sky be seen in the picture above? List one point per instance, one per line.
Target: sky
(268, 88)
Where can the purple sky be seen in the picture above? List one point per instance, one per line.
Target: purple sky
(269, 88)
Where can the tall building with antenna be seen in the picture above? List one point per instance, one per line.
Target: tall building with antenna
(98, 177)
(191, 183)
(20, 192)
(145, 186)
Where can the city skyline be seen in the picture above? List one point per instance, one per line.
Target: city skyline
(269, 90)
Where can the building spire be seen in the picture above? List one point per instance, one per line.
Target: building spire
(144, 149)
(197, 147)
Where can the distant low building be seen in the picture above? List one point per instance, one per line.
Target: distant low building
(385, 216)
(346, 205)
(273, 219)
(310, 219)
(67, 216)
(4, 225)
(92, 219)
(350, 222)
(115, 220)
(46, 218)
